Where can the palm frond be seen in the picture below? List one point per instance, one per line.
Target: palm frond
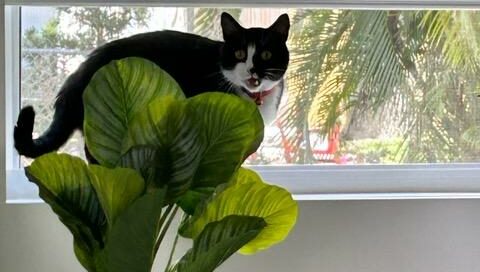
(206, 21)
(455, 34)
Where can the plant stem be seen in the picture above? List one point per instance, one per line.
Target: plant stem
(166, 226)
(172, 251)
(159, 227)
(164, 216)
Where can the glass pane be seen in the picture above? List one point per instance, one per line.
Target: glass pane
(363, 87)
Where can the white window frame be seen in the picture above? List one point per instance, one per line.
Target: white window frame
(306, 182)
(349, 4)
(2, 106)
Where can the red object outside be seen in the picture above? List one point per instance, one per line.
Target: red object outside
(320, 154)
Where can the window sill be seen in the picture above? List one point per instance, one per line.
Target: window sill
(355, 182)
(333, 182)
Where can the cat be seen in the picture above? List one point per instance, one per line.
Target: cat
(249, 62)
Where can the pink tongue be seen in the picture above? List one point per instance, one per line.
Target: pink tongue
(253, 82)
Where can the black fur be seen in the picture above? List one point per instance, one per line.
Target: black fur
(194, 62)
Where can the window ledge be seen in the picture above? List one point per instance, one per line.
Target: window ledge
(338, 182)
(329, 182)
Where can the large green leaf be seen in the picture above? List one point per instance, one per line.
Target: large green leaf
(140, 158)
(130, 245)
(165, 126)
(191, 199)
(230, 128)
(116, 189)
(247, 195)
(218, 241)
(200, 142)
(115, 94)
(64, 183)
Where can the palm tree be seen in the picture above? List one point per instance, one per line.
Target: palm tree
(206, 21)
(410, 70)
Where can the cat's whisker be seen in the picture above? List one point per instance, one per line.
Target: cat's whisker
(228, 85)
(214, 74)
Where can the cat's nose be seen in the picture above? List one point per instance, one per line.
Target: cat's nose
(252, 70)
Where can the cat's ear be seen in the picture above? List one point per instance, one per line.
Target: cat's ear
(281, 26)
(230, 27)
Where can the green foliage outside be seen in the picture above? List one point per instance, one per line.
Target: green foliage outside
(374, 151)
(412, 72)
(94, 26)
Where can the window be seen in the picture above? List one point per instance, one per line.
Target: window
(378, 101)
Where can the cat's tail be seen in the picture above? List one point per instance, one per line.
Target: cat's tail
(55, 136)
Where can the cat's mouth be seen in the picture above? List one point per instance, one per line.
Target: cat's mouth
(252, 83)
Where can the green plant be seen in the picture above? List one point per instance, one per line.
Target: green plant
(387, 150)
(158, 151)
(414, 72)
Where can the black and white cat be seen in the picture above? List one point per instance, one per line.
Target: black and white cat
(250, 63)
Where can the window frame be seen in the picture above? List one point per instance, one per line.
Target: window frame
(2, 107)
(350, 4)
(306, 182)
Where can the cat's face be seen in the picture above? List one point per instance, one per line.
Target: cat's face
(255, 58)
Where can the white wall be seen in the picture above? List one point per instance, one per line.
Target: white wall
(331, 236)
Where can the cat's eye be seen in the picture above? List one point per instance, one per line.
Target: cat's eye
(240, 54)
(266, 55)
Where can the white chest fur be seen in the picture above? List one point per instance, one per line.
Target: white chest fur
(269, 107)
